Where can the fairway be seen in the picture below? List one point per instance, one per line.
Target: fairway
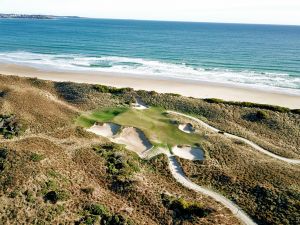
(154, 122)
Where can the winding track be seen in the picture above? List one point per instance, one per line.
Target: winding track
(250, 143)
(179, 176)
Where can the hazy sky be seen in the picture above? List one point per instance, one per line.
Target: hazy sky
(241, 11)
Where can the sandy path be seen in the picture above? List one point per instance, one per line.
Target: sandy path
(250, 143)
(178, 174)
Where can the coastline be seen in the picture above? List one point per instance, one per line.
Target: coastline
(187, 88)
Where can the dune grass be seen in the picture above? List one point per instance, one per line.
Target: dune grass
(154, 122)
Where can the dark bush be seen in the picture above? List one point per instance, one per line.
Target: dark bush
(55, 196)
(184, 209)
(3, 155)
(97, 209)
(72, 92)
(112, 90)
(9, 126)
(88, 190)
(51, 196)
(261, 115)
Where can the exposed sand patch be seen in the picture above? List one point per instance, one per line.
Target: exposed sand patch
(187, 128)
(139, 104)
(135, 140)
(188, 152)
(106, 129)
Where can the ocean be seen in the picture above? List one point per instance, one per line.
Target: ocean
(257, 56)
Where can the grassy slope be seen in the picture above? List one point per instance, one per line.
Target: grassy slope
(55, 155)
(256, 182)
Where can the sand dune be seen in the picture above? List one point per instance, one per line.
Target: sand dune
(188, 152)
(105, 129)
(134, 139)
(186, 127)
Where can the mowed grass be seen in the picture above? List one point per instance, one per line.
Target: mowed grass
(107, 115)
(154, 122)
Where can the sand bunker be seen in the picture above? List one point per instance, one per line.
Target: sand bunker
(187, 128)
(105, 129)
(135, 140)
(188, 152)
(139, 104)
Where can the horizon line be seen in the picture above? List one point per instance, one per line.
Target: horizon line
(154, 20)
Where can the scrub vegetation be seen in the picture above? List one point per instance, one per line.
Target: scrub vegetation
(55, 172)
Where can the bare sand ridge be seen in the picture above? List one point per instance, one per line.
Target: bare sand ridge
(140, 105)
(195, 89)
(188, 152)
(134, 139)
(186, 127)
(106, 129)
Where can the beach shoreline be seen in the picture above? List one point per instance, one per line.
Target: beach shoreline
(196, 89)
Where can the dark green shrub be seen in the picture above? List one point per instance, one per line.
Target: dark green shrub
(3, 156)
(111, 90)
(213, 100)
(184, 209)
(261, 115)
(9, 126)
(98, 209)
(55, 196)
(88, 190)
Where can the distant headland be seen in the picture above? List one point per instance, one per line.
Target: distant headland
(26, 16)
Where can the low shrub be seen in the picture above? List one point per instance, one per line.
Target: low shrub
(98, 213)
(98, 209)
(111, 90)
(9, 126)
(55, 196)
(261, 115)
(119, 166)
(3, 156)
(88, 190)
(184, 209)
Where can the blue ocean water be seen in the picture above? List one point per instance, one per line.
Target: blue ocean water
(261, 56)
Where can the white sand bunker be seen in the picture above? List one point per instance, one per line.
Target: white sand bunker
(135, 140)
(188, 152)
(139, 104)
(187, 128)
(105, 129)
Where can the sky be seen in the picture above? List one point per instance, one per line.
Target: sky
(232, 11)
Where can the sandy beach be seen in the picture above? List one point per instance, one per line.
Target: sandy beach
(184, 87)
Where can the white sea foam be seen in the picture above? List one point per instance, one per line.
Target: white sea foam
(138, 66)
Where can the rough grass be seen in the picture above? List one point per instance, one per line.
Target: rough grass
(268, 190)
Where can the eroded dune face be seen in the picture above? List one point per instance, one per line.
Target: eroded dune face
(140, 104)
(188, 152)
(134, 139)
(187, 128)
(105, 129)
